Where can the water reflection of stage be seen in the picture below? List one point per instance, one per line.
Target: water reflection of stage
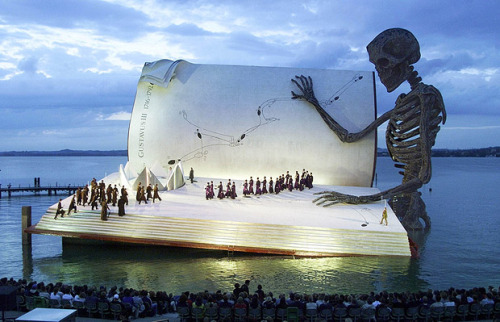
(287, 224)
(179, 269)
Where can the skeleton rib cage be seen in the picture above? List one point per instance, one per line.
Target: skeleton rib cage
(412, 131)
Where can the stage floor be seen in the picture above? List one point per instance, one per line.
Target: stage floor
(285, 223)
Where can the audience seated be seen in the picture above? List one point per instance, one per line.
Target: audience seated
(142, 303)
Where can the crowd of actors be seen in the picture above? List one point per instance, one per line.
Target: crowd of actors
(283, 183)
(98, 194)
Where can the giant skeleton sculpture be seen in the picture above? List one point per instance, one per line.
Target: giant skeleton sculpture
(411, 132)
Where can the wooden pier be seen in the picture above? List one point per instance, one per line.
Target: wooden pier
(69, 189)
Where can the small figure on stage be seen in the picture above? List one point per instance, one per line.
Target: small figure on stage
(115, 195)
(302, 181)
(310, 181)
(220, 195)
(191, 175)
(149, 190)
(93, 201)
(384, 216)
(125, 195)
(233, 191)
(138, 194)
(228, 189)
(79, 196)
(121, 206)
(207, 191)
(264, 185)
(257, 187)
(60, 210)
(297, 180)
(245, 188)
(85, 194)
(250, 186)
(72, 205)
(156, 195)
(277, 186)
(271, 189)
(142, 195)
(104, 210)
(109, 192)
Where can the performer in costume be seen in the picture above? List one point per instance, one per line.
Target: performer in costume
(302, 181)
(79, 196)
(191, 175)
(207, 191)
(125, 195)
(109, 192)
(245, 188)
(85, 194)
(93, 201)
(228, 189)
(384, 216)
(257, 187)
(138, 194)
(114, 194)
(156, 195)
(264, 185)
(271, 189)
(59, 210)
(250, 186)
(104, 210)
(297, 179)
(72, 205)
(149, 190)
(233, 191)
(121, 206)
(143, 196)
(220, 195)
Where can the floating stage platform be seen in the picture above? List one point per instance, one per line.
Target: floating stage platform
(287, 223)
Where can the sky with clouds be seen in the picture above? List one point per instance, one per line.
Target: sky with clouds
(69, 68)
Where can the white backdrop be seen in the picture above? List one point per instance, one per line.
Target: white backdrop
(199, 114)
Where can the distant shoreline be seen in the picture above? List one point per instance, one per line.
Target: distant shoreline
(479, 152)
(65, 153)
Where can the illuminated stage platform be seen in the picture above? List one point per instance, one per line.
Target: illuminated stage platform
(287, 223)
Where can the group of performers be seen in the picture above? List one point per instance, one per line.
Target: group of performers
(146, 193)
(283, 182)
(230, 191)
(99, 195)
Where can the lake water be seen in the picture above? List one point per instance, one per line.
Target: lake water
(461, 249)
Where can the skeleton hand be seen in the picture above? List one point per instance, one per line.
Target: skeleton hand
(333, 197)
(306, 87)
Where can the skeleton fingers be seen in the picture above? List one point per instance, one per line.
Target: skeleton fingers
(306, 87)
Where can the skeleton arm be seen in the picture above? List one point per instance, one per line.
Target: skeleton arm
(306, 87)
(328, 198)
(431, 106)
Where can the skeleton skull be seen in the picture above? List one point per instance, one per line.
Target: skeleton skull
(392, 52)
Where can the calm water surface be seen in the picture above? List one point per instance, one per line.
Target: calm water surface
(460, 250)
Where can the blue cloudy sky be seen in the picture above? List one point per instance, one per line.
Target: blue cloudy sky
(69, 69)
